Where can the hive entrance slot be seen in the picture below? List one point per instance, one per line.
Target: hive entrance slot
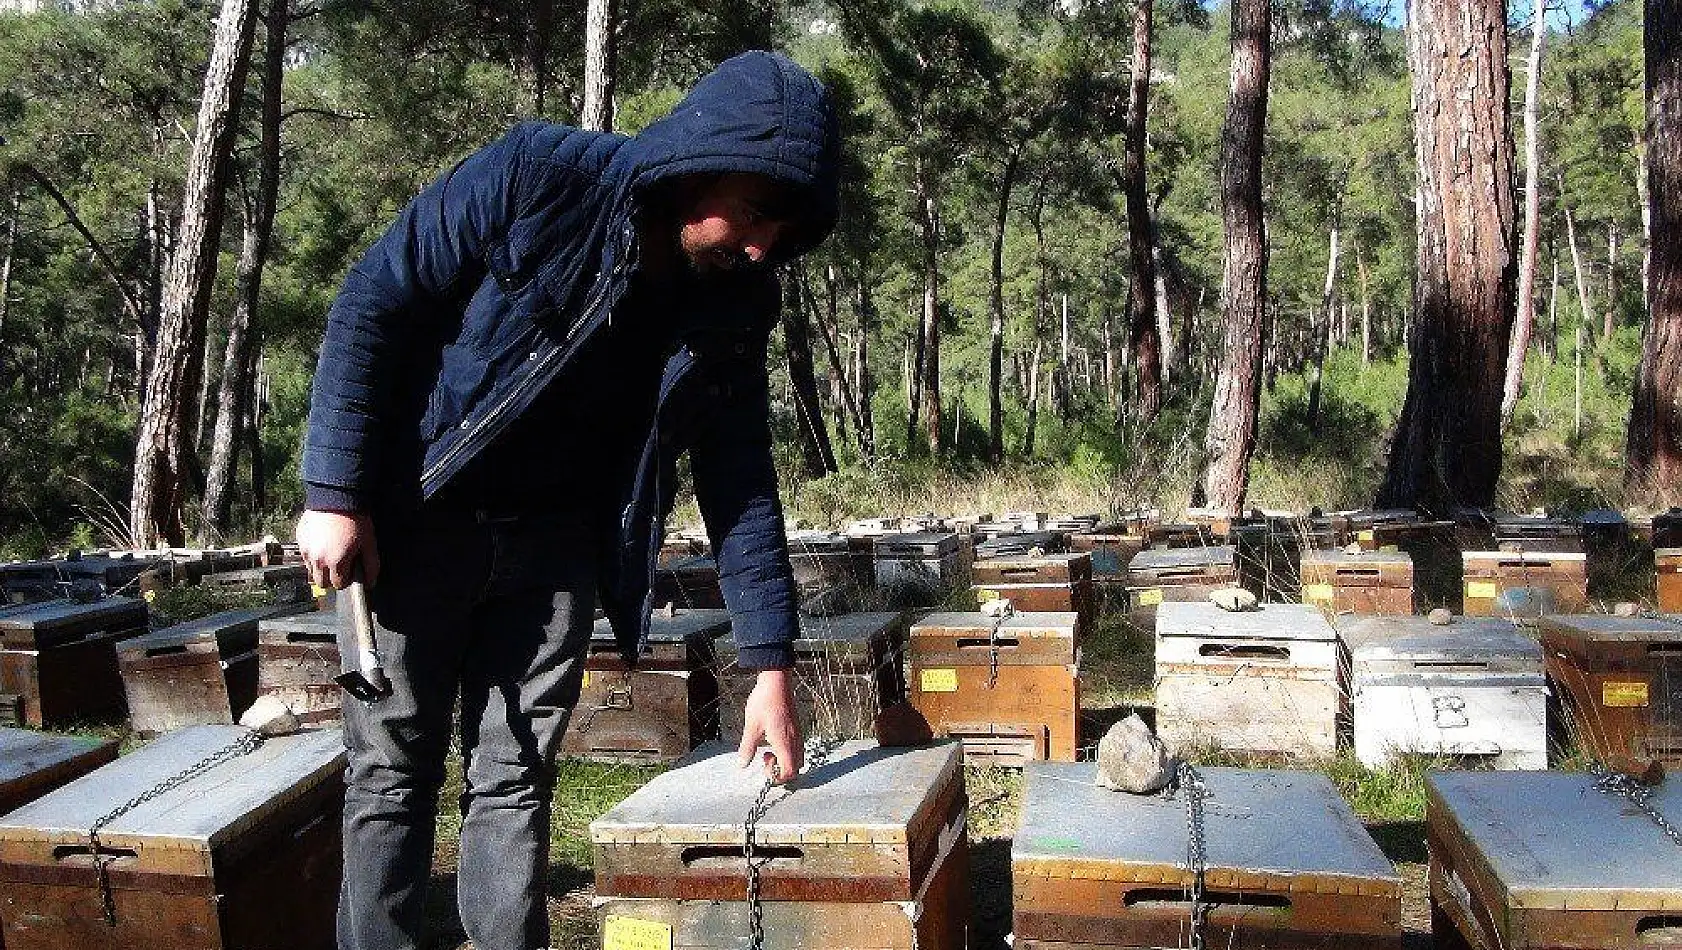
(726, 857)
(1659, 931)
(1665, 649)
(310, 636)
(1028, 572)
(1358, 572)
(1245, 651)
(1450, 665)
(166, 651)
(983, 643)
(84, 854)
(1163, 898)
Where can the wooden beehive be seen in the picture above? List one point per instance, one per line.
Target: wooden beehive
(34, 763)
(1060, 583)
(918, 569)
(1008, 687)
(1538, 533)
(59, 657)
(866, 852)
(1522, 584)
(197, 673)
(1376, 582)
(113, 573)
(1619, 681)
(847, 668)
(824, 566)
(244, 855)
(1111, 548)
(298, 661)
(1182, 535)
(1271, 680)
(690, 583)
(1472, 689)
(1288, 866)
(1176, 574)
(658, 711)
(258, 579)
(1667, 564)
(1667, 529)
(1022, 544)
(1544, 860)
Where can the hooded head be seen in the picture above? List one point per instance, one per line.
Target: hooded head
(760, 114)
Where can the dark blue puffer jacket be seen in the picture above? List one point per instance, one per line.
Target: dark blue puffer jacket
(487, 284)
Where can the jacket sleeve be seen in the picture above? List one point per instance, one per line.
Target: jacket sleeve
(437, 241)
(736, 488)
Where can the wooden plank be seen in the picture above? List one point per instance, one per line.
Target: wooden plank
(33, 763)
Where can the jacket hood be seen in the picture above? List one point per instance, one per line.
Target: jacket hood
(760, 113)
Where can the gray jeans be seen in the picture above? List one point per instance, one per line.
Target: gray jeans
(498, 610)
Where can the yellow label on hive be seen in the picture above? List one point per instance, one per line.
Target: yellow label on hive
(317, 591)
(983, 595)
(1365, 536)
(939, 681)
(629, 933)
(1623, 695)
(1151, 597)
(587, 679)
(1390, 549)
(1482, 589)
(1317, 592)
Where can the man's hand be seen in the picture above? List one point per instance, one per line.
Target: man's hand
(338, 548)
(770, 715)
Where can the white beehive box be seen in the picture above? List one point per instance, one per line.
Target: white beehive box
(1269, 680)
(1472, 688)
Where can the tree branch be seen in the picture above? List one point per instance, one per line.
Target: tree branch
(131, 302)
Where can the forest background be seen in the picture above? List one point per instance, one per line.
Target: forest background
(985, 198)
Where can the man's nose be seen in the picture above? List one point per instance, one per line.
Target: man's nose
(757, 244)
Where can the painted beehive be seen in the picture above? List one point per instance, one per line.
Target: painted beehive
(1287, 866)
(1176, 575)
(298, 661)
(824, 563)
(1112, 548)
(1271, 680)
(847, 668)
(658, 711)
(34, 763)
(1619, 681)
(1474, 688)
(1544, 860)
(195, 673)
(865, 852)
(1515, 532)
(1022, 544)
(919, 568)
(59, 657)
(1009, 687)
(243, 855)
(1376, 582)
(1049, 582)
(1667, 564)
(1551, 582)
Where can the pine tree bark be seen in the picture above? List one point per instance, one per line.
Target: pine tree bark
(815, 450)
(1146, 340)
(234, 392)
(600, 64)
(929, 364)
(1654, 440)
(1525, 318)
(1366, 307)
(1447, 447)
(164, 460)
(996, 303)
(1317, 372)
(1609, 316)
(1231, 437)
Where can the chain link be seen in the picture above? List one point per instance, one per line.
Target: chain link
(818, 750)
(1622, 786)
(1190, 781)
(248, 742)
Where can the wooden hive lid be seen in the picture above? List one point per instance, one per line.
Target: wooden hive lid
(1556, 842)
(220, 628)
(56, 620)
(837, 637)
(1018, 544)
(1667, 552)
(1659, 628)
(1527, 557)
(1297, 622)
(817, 542)
(1154, 559)
(1025, 560)
(864, 796)
(674, 628)
(311, 624)
(1290, 829)
(1414, 644)
(919, 543)
(24, 752)
(1337, 557)
(1047, 625)
(198, 816)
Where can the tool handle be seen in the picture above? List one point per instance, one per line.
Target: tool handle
(367, 648)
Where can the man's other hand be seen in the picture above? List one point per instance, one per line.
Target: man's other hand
(769, 715)
(338, 548)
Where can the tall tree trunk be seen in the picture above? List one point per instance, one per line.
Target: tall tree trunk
(1327, 298)
(827, 326)
(1146, 340)
(163, 459)
(1112, 392)
(599, 64)
(238, 361)
(1519, 345)
(1610, 315)
(1033, 394)
(1654, 444)
(1231, 436)
(1447, 447)
(254, 432)
(13, 205)
(815, 450)
(996, 303)
(1553, 309)
(1366, 307)
(864, 383)
(929, 219)
(537, 52)
(1642, 180)
(1586, 307)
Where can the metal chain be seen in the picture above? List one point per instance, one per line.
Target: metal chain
(1622, 786)
(818, 750)
(1190, 781)
(248, 742)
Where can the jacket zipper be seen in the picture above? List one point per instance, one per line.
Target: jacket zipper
(496, 411)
